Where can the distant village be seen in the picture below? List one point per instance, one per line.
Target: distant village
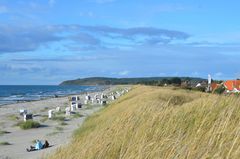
(219, 87)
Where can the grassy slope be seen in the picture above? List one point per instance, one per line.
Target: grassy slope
(151, 122)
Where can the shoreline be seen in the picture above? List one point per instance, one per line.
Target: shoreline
(101, 88)
(58, 133)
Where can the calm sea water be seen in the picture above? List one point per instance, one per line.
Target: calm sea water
(17, 93)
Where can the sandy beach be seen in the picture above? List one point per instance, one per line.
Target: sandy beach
(57, 132)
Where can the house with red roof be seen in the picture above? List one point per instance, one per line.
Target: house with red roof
(232, 85)
(214, 86)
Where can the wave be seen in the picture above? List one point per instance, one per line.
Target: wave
(14, 94)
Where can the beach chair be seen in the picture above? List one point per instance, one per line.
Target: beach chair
(27, 117)
(113, 97)
(58, 109)
(50, 114)
(78, 105)
(103, 102)
(68, 111)
(73, 106)
(22, 112)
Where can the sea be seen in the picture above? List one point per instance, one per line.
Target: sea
(10, 94)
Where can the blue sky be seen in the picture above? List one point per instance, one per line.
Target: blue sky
(48, 41)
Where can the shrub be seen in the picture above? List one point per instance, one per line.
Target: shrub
(176, 81)
(29, 124)
(2, 132)
(4, 143)
(219, 90)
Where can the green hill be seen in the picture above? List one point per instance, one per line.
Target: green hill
(118, 81)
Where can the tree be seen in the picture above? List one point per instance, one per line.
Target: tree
(176, 81)
(219, 90)
(166, 81)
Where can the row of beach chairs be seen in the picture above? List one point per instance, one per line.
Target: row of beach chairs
(75, 103)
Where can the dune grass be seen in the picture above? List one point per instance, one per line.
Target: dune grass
(4, 143)
(29, 124)
(2, 132)
(153, 122)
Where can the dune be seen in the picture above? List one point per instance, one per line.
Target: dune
(155, 122)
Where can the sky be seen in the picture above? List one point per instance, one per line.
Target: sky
(49, 41)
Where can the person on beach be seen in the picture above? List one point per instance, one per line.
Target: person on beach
(38, 146)
(46, 144)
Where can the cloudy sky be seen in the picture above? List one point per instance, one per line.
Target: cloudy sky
(48, 41)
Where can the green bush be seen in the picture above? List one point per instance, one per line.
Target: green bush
(29, 124)
(176, 81)
(2, 132)
(219, 90)
(4, 143)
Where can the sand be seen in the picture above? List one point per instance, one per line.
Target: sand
(51, 130)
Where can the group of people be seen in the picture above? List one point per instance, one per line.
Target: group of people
(38, 146)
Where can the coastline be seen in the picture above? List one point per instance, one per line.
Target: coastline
(100, 88)
(50, 130)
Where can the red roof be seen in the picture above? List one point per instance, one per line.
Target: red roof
(214, 86)
(231, 84)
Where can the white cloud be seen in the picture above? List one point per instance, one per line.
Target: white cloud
(124, 73)
(3, 9)
(27, 38)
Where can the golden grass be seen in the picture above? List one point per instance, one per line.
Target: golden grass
(154, 122)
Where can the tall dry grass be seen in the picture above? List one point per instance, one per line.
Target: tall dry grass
(153, 122)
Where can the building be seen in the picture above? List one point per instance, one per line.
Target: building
(214, 86)
(232, 86)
